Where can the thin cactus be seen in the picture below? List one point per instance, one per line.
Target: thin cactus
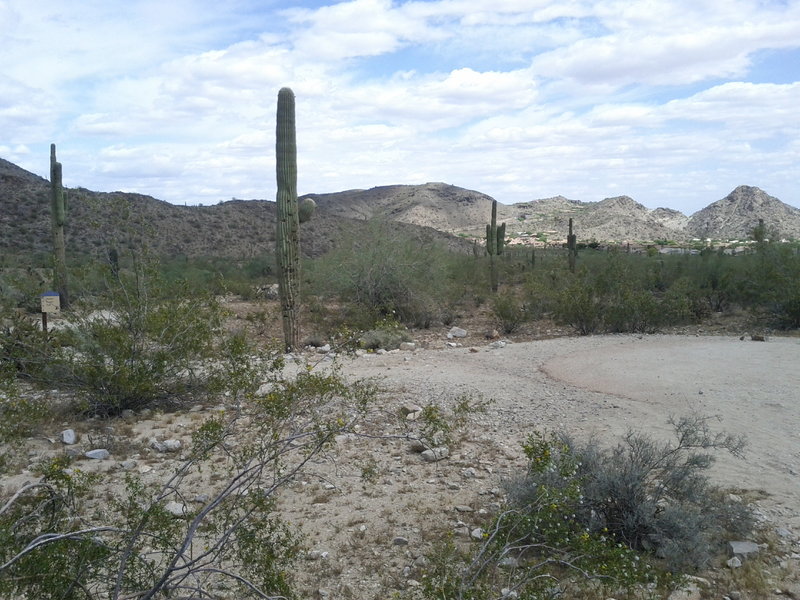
(287, 225)
(58, 213)
(572, 247)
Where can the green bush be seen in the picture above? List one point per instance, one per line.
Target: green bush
(61, 537)
(582, 518)
(382, 273)
(651, 496)
(509, 311)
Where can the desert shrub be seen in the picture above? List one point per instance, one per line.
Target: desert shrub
(651, 496)
(384, 273)
(388, 334)
(579, 307)
(61, 537)
(772, 285)
(145, 340)
(509, 311)
(582, 517)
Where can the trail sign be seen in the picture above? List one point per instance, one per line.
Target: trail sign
(51, 302)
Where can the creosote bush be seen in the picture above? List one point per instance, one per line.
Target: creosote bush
(582, 517)
(60, 538)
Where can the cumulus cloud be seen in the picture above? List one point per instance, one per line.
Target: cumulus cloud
(517, 98)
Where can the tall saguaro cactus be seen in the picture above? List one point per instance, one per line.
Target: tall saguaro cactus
(286, 232)
(495, 241)
(572, 247)
(58, 214)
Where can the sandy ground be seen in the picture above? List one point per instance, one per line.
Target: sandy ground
(353, 507)
(605, 385)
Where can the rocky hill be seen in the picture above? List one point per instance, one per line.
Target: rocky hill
(243, 228)
(738, 213)
(98, 221)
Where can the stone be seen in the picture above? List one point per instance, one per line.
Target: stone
(463, 508)
(400, 541)
(497, 345)
(476, 534)
(176, 509)
(734, 563)
(127, 414)
(156, 445)
(742, 549)
(128, 464)
(435, 454)
(172, 445)
(689, 591)
(324, 349)
(68, 437)
(97, 454)
(456, 332)
(408, 346)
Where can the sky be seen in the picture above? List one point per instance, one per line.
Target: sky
(671, 102)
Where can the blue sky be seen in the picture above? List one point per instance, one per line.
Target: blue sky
(672, 102)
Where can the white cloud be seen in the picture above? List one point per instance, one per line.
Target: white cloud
(516, 98)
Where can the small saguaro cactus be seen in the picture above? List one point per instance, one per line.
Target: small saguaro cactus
(572, 247)
(286, 231)
(58, 212)
(495, 240)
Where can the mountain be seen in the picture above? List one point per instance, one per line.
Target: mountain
(735, 216)
(98, 221)
(242, 229)
(438, 205)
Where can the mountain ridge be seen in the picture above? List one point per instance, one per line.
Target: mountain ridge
(435, 210)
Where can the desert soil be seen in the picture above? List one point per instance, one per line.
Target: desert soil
(598, 386)
(371, 511)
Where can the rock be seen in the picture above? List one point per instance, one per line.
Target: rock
(476, 534)
(176, 509)
(68, 437)
(689, 591)
(742, 550)
(128, 464)
(156, 445)
(469, 473)
(456, 332)
(509, 593)
(324, 349)
(463, 508)
(417, 446)
(408, 346)
(127, 414)
(172, 445)
(451, 345)
(435, 454)
(492, 334)
(400, 541)
(497, 345)
(734, 563)
(782, 532)
(98, 454)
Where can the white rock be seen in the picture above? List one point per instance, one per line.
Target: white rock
(456, 332)
(176, 509)
(68, 437)
(408, 346)
(172, 445)
(476, 534)
(734, 563)
(98, 454)
(435, 454)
